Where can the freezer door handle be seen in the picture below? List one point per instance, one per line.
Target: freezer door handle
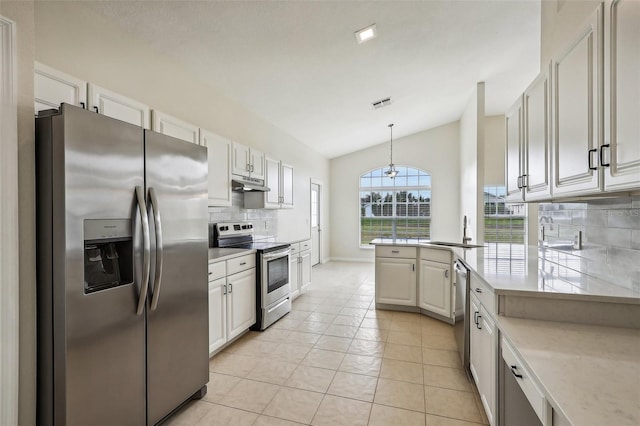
(146, 258)
(157, 280)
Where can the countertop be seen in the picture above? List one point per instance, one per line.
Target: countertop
(525, 271)
(218, 254)
(591, 374)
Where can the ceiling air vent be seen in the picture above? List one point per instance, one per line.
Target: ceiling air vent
(381, 103)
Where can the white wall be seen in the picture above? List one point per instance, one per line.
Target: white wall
(80, 42)
(494, 150)
(435, 151)
(472, 166)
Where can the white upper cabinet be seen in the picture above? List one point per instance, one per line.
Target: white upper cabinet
(279, 179)
(258, 166)
(219, 159)
(286, 185)
(620, 154)
(577, 112)
(272, 180)
(536, 144)
(112, 104)
(171, 126)
(513, 164)
(52, 87)
(248, 162)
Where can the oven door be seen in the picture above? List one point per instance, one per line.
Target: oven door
(275, 276)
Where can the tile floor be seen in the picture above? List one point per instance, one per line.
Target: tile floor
(336, 360)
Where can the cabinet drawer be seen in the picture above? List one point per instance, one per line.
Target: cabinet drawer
(435, 255)
(217, 270)
(528, 386)
(396, 251)
(485, 294)
(241, 263)
(295, 249)
(305, 245)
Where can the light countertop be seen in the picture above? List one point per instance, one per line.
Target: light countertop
(591, 374)
(219, 254)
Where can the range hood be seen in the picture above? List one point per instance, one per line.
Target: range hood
(243, 185)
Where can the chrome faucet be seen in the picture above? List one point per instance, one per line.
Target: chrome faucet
(465, 239)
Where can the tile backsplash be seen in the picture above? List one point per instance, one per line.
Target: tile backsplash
(610, 231)
(265, 221)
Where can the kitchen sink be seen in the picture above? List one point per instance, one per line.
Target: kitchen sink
(450, 244)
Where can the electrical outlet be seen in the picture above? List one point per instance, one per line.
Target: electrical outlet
(577, 240)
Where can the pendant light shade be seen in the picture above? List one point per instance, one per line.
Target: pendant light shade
(391, 172)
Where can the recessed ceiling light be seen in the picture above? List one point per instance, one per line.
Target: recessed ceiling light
(366, 34)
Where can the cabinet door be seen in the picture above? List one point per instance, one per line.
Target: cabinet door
(240, 165)
(435, 287)
(112, 104)
(305, 270)
(622, 96)
(217, 314)
(219, 160)
(475, 341)
(241, 302)
(272, 180)
(294, 276)
(174, 127)
(52, 87)
(577, 112)
(537, 149)
(286, 186)
(489, 348)
(513, 163)
(258, 164)
(396, 281)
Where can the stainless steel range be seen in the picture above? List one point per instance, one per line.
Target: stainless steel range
(273, 298)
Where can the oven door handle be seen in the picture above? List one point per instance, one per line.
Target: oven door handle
(275, 255)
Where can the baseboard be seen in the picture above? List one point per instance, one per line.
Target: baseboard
(351, 259)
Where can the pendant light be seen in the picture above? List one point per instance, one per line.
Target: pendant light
(391, 172)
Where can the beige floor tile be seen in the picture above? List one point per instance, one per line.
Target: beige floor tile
(358, 304)
(311, 378)
(379, 313)
(347, 320)
(405, 337)
(341, 330)
(333, 343)
(257, 348)
(439, 341)
(321, 317)
(381, 415)
(434, 326)
(220, 415)
(445, 377)
(233, 364)
(190, 414)
(367, 347)
(379, 323)
(250, 395)
(441, 358)
(289, 352)
(407, 317)
(402, 371)
(372, 334)
(400, 395)
(405, 326)
(274, 421)
(300, 337)
(219, 385)
(354, 386)
(361, 364)
(337, 411)
(287, 323)
(272, 371)
(271, 334)
(301, 306)
(452, 403)
(354, 312)
(297, 315)
(294, 404)
(329, 309)
(313, 327)
(323, 359)
(446, 421)
(403, 353)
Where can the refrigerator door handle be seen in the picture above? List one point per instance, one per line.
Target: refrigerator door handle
(146, 258)
(157, 281)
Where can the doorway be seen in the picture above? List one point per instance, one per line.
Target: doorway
(316, 229)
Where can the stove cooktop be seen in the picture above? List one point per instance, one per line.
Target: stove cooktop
(263, 246)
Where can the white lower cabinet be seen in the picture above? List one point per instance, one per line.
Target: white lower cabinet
(434, 291)
(395, 279)
(232, 299)
(483, 356)
(299, 267)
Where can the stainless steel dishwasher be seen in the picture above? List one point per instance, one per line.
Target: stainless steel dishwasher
(461, 327)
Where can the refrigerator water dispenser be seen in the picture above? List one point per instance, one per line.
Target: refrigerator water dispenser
(108, 254)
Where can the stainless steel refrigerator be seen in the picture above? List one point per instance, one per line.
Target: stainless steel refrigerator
(122, 271)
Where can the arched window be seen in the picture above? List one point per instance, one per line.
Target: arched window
(395, 208)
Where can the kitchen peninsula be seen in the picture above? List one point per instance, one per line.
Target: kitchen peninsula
(569, 340)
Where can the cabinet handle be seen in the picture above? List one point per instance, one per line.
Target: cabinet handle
(602, 163)
(210, 273)
(475, 317)
(590, 157)
(524, 181)
(230, 288)
(395, 251)
(83, 105)
(518, 184)
(513, 370)
(478, 323)
(446, 273)
(243, 263)
(413, 267)
(96, 109)
(478, 290)
(225, 289)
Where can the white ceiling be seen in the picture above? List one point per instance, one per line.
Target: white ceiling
(297, 63)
